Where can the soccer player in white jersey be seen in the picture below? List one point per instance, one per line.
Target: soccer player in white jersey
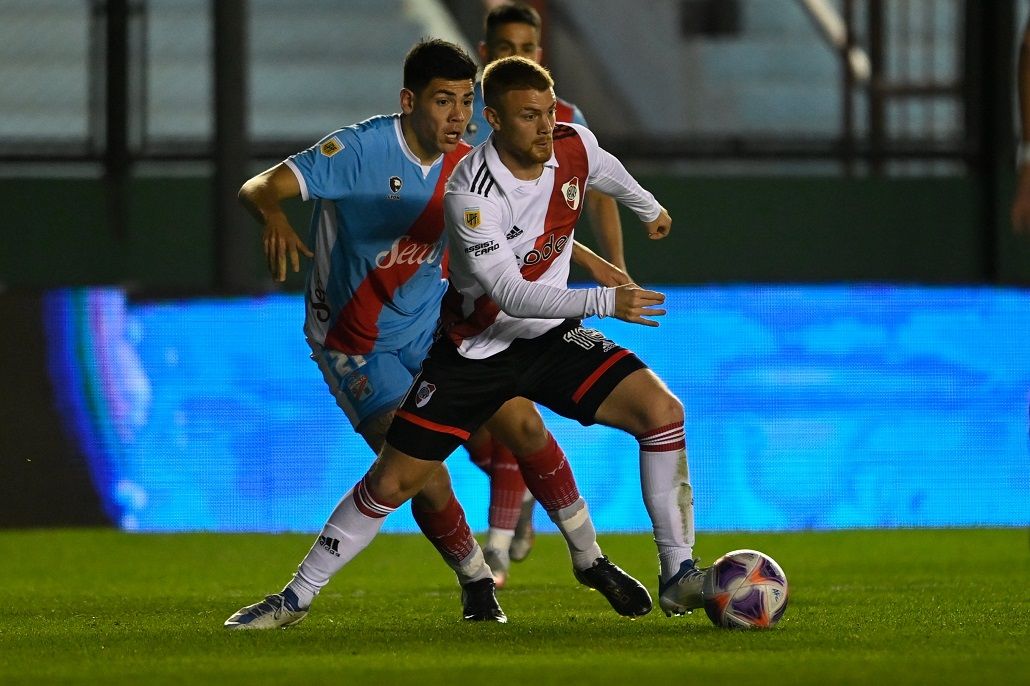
(373, 302)
(514, 28)
(512, 325)
(513, 204)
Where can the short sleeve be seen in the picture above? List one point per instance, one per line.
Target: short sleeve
(329, 168)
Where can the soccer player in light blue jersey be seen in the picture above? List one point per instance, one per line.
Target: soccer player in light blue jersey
(373, 302)
(514, 29)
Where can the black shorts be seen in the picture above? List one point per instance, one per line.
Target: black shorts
(569, 369)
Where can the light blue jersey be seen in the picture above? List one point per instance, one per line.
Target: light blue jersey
(377, 234)
(374, 290)
(478, 129)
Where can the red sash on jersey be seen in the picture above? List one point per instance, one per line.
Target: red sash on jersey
(563, 211)
(356, 327)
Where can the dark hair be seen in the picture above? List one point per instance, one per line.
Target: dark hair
(510, 74)
(509, 13)
(436, 59)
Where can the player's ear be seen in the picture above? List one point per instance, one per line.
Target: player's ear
(484, 54)
(492, 118)
(407, 101)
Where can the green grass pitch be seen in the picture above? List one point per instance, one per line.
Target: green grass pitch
(880, 607)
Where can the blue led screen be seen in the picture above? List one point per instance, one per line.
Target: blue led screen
(807, 407)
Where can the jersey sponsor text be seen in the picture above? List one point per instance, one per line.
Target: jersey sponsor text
(405, 250)
(482, 248)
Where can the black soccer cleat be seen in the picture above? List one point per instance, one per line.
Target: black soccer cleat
(627, 596)
(479, 602)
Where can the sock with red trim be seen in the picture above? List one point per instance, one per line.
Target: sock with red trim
(549, 478)
(507, 489)
(449, 532)
(668, 496)
(350, 528)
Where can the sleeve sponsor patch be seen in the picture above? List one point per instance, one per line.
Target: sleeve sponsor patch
(331, 147)
(482, 248)
(472, 217)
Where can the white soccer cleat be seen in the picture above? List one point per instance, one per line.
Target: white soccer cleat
(276, 611)
(498, 562)
(683, 591)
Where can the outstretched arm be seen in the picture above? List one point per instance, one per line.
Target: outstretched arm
(262, 197)
(483, 253)
(603, 212)
(601, 270)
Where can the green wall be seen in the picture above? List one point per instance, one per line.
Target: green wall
(724, 230)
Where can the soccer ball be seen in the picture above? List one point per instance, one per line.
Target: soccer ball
(745, 589)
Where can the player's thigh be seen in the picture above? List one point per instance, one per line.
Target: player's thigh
(519, 426)
(576, 371)
(639, 403)
(366, 387)
(374, 429)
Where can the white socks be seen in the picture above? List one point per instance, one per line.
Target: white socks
(350, 528)
(668, 496)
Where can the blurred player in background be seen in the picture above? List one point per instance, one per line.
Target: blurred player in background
(1021, 203)
(373, 304)
(512, 328)
(514, 28)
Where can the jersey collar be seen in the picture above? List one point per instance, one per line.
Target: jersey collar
(426, 168)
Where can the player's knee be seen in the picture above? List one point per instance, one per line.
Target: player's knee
(387, 488)
(661, 410)
(523, 433)
(394, 486)
(530, 427)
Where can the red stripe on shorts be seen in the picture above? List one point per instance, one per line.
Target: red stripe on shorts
(433, 426)
(598, 373)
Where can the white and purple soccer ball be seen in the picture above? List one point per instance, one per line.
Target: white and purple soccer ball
(745, 589)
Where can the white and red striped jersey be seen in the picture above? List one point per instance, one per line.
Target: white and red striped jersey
(511, 241)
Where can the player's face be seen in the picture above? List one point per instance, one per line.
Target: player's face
(436, 117)
(523, 125)
(512, 39)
